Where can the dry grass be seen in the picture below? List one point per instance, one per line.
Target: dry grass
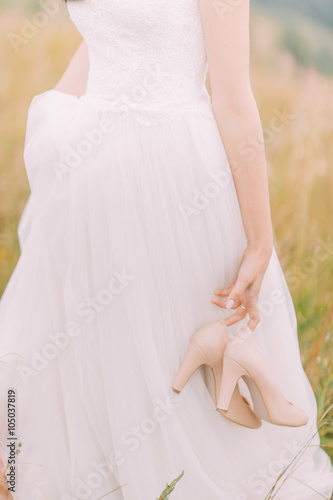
(301, 180)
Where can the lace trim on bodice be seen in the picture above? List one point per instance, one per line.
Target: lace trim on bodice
(146, 56)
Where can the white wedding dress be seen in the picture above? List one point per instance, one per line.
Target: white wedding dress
(132, 223)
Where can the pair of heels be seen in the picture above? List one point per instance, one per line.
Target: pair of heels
(225, 362)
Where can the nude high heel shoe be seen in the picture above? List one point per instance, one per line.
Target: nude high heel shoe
(244, 358)
(206, 348)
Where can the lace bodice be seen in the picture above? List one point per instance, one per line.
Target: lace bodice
(146, 55)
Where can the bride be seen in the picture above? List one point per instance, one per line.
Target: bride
(132, 340)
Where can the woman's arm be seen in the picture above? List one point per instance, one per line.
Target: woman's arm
(74, 80)
(226, 29)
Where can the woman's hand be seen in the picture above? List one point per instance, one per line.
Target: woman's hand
(245, 289)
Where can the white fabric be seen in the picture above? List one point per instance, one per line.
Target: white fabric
(132, 223)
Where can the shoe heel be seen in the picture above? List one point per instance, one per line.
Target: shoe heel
(193, 359)
(231, 373)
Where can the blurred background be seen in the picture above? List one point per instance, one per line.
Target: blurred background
(292, 78)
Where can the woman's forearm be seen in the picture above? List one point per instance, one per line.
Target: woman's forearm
(239, 124)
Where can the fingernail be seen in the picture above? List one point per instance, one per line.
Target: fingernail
(230, 304)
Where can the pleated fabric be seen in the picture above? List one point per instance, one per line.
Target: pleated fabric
(127, 233)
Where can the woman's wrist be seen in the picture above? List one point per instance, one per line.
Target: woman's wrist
(262, 249)
(262, 244)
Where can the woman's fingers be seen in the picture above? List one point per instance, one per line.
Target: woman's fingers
(229, 303)
(234, 298)
(223, 303)
(241, 313)
(254, 318)
(238, 298)
(224, 292)
(236, 316)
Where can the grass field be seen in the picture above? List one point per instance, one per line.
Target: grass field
(299, 164)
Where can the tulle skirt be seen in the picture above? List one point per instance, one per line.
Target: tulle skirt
(128, 231)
